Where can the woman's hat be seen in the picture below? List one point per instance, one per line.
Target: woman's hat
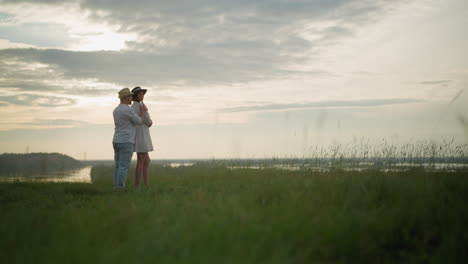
(124, 93)
(138, 89)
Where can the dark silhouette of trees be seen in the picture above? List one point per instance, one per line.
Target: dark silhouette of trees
(21, 164)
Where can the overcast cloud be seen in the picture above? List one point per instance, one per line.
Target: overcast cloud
(203, 42)
(322, 104)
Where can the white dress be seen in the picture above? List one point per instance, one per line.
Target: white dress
(143, 141)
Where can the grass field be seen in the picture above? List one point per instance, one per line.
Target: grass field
(204, 214)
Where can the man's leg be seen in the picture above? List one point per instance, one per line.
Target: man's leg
(116, 163)
(126, 152)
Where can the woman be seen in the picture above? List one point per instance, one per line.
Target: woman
(143, 143)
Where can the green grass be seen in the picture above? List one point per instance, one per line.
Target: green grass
(207, 214)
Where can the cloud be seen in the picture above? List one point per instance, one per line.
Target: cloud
(39, 34)
(207, 42)
(28, 85)
(322, 104)
(37, 100)
(436, 82)
(145, 68)
(54, 123)
(19, 76)
(71, 87)
(39, 1)
(5, 44)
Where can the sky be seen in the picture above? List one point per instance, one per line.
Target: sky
(232, 79)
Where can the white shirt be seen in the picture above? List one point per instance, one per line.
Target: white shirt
(125, 120)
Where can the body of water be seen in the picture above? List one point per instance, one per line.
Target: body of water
(395, 167)
(84, 174)
(79, 175)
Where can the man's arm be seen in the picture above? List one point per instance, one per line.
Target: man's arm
(134, 118)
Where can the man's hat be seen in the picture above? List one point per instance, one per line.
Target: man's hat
(124, 93)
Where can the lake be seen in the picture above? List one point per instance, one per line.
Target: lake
(78, 175)
(83, 175)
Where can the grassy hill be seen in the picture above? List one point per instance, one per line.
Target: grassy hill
(204, 214)
(36, 163)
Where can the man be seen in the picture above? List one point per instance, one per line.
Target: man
(125, 121)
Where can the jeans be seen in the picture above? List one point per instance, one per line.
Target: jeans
(122, 156)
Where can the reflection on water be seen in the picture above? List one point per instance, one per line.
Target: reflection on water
(177, 164)
(79, 175)
(361, 167)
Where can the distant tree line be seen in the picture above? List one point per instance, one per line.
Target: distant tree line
(36, 163)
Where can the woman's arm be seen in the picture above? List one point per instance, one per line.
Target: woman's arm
(146, 119)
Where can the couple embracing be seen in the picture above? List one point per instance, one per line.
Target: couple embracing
(131, 134)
